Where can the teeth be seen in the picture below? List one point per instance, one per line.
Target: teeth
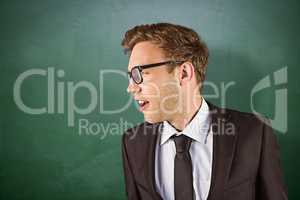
(141, 102)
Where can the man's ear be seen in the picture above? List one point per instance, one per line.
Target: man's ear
(186, 72)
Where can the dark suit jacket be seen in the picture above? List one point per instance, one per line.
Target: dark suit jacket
(245, 165)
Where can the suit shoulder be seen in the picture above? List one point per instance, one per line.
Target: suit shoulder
(250, 126)
(138, 132)
(246, 116)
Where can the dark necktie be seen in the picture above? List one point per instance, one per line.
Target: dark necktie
(183, 171)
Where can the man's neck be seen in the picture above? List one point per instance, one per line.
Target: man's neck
(181, 120)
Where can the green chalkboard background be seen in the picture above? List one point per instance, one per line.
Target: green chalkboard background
(43, 157)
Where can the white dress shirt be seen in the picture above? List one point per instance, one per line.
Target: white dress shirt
(199, 129)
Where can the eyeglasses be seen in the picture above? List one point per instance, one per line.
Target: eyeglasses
(136, 72)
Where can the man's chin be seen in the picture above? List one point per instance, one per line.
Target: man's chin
(152, 120)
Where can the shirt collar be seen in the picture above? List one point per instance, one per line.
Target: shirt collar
(197, 129)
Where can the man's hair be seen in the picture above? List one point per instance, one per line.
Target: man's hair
(179, 43)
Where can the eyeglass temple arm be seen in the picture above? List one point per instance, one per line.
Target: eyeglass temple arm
(159, 64)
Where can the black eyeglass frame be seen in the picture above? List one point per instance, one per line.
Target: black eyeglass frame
(141, 67)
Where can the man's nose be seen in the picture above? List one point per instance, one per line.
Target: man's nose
(133, 87)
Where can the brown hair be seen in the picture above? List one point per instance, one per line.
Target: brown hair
(178, 42)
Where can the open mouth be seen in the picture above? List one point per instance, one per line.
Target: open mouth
(143, 104)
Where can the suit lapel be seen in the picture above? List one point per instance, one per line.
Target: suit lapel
(153, 133)
(224, 141)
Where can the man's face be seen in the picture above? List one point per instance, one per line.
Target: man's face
(159, 91)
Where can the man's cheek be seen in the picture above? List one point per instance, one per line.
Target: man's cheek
(169, 104)
(151, 90)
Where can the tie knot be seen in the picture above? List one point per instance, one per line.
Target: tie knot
(182, 143)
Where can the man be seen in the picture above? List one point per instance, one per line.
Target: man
(187, 148)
